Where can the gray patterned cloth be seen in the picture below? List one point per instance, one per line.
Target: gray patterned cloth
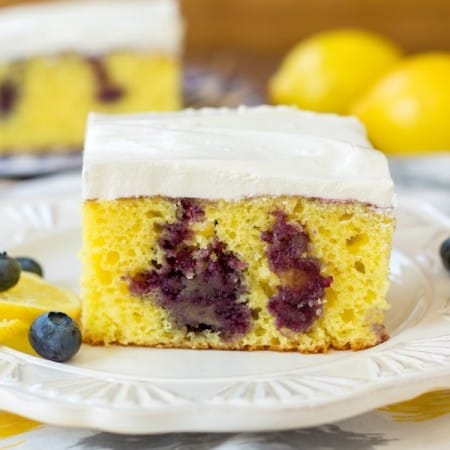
(372, 431)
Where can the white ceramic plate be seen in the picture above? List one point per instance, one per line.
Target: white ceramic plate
(136, 390)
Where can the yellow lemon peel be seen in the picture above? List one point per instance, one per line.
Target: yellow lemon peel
(407, 111)
(329, 70)
(33, 296)
(11, 328)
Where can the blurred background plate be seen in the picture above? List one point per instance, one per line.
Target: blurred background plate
(213, 81)
(25, 166)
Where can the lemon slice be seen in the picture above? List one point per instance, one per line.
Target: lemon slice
(33, 296)
(11, 328)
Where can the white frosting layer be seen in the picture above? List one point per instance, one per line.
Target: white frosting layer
(89, 27)
(231, 154)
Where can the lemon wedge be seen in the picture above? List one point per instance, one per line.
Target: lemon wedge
(11, 328)
(407, 111)
(33, 296)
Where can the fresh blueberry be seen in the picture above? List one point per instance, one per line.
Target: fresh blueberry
(445, 253)
(9, 272)
(30, 265)
(55, 336)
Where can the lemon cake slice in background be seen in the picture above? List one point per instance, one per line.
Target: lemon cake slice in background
(248, 229)
(61, 60)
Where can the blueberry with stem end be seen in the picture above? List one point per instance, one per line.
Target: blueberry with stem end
(55, 336)
(445, 253)
(9, 272)
(30, 265)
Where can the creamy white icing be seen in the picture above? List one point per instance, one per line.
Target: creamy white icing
(231, 154)
(89, 27)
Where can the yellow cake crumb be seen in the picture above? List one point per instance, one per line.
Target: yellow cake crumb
(351, 240)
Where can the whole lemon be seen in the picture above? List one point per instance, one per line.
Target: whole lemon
(327, 71)
(408, 111)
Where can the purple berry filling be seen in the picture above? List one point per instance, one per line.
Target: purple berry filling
(106, 91)
(298, 302)
(110, 94)
(8, 97)
(200, 287)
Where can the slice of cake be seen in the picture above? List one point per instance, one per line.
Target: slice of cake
(247, 229)
(61, 60)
